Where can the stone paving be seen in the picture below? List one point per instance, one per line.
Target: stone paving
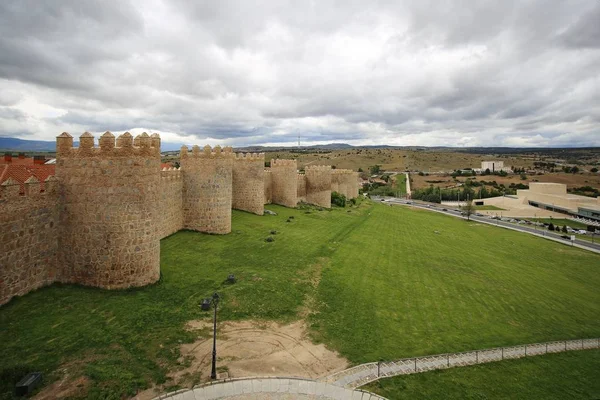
(365, 373)
(270, 389)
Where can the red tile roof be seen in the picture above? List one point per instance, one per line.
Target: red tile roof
(21, 173)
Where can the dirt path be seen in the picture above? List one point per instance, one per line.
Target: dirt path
(249, 349)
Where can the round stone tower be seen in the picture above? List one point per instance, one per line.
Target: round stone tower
(318, 185)
(109, 218)
(207, 189)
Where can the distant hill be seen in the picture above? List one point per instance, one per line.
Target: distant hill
(12, 144)
(20, 145)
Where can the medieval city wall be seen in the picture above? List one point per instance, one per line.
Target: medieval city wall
(345, 181)
(301, 187)
(284, 182)
(318, 185)
(109, 224)
(248, 189)
(28, 237)
(268, 184)
(171, 202)
(207, 189)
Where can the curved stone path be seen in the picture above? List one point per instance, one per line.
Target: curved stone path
(271, 388)
(362, 374)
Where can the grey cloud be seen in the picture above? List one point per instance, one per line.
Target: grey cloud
(430, 72)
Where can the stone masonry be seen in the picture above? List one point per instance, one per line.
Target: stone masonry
(284, 182)
(248, 187)
(318, 185)
(100, 220)
(207, 189)
(109, 221)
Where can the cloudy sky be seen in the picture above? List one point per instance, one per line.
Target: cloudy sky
(432, 73)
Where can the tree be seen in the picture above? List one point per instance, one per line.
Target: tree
(375, 169)
(564, 229)
(468, 209)
(551, 226)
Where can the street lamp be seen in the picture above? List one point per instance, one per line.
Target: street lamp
(213, 373)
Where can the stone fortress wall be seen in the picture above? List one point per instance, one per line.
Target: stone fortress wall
(100, 220)
(109, 225)
(268, 186)
(284, 189)
(345, 181)
(28, 237)
(248, 182)
(318, 185)
(171, 202)
(301, 188)
(207, 189)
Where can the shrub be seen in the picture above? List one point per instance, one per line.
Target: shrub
(338, 199)
(551, 226)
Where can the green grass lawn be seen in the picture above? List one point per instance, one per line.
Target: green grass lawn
(394, 288)
(572, 375)
(389, 288)
(488, 207)
(400, 186)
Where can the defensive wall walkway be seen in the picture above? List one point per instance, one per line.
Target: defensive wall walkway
(365, 373)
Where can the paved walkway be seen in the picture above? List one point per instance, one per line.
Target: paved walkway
(365, 373)
(272, 388)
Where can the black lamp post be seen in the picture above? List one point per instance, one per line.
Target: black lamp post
(213, 374)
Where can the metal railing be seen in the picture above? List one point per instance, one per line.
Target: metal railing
(365, 373)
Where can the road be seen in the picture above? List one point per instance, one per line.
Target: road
(537, 231)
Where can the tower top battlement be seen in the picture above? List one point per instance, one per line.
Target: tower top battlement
(317, 168)
(250, 156)
(124, 145)
(277, 162)
(206, 152)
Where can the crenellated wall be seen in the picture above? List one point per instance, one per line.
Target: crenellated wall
(283, 182)
(100, 220)
(207, 189)
(248, 191)
(301, 187)
(171, 202)
(28, 237)
(318, 185)
(109, 234)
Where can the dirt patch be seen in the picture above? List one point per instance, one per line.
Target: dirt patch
(249, 348)
(65, 388)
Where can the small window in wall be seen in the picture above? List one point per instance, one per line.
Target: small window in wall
(479, 203)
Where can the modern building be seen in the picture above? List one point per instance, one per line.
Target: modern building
(554, 197)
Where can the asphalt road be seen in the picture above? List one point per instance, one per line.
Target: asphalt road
(538, 231)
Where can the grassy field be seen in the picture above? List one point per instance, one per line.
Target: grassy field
(481, 287)
(572, 375)
(488, 207)
(377, 282)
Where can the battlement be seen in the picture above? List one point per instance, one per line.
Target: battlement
(170, 173)
(124, 145)
(342, 171)
(250, 157)
(10, 188)
(277, 162)
(206, 152)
